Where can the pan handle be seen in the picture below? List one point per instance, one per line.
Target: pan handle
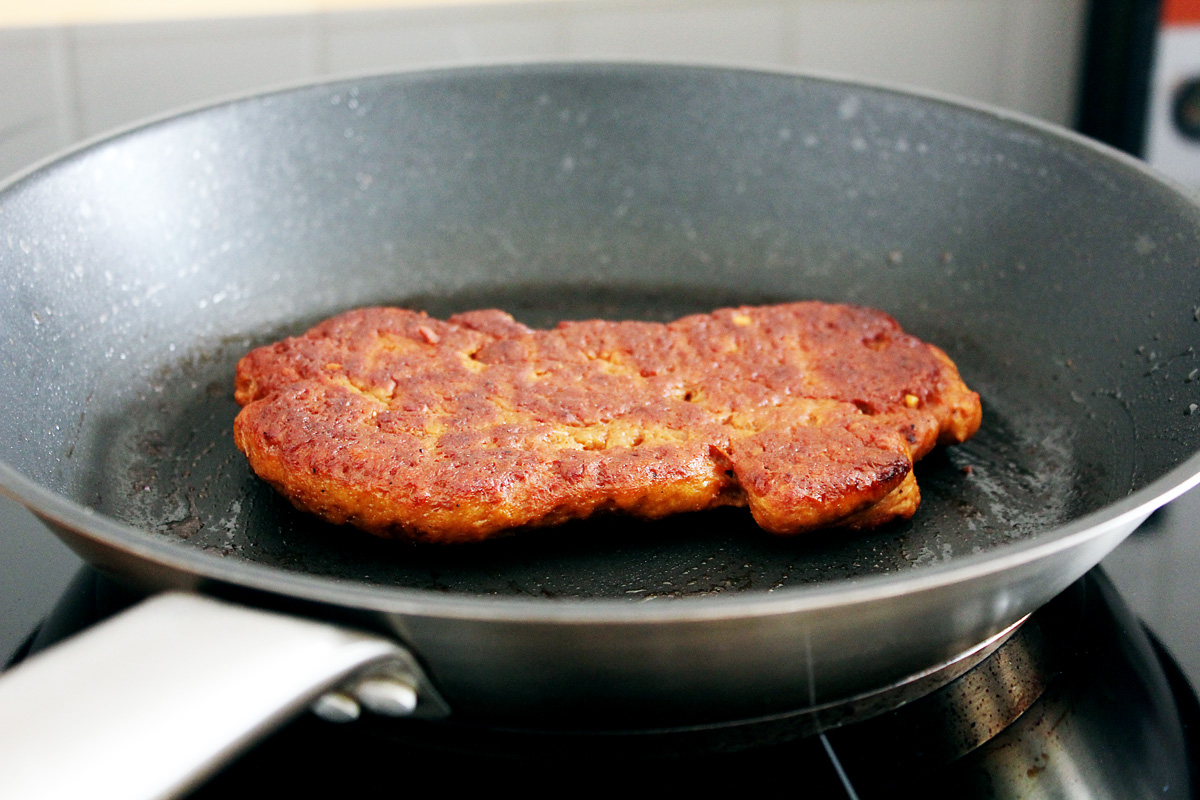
(151, 702)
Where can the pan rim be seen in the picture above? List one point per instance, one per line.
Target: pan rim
(499, 67)
(133, 542)
(806, 598)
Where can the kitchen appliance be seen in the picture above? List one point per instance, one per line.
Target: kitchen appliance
(139, 268)
(1141, 83)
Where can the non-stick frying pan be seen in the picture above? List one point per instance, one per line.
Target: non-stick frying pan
(1062, 277)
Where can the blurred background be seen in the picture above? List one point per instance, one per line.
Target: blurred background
(1118, 70)
(71, 70)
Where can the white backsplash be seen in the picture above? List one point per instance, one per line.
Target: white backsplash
(62, 84)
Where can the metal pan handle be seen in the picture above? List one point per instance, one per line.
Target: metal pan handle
(151, 702)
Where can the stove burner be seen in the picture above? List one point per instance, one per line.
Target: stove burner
(1077, 701)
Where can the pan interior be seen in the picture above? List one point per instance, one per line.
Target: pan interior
(138, 270)
(171, 469)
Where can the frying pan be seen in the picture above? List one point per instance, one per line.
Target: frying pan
(1061, 276)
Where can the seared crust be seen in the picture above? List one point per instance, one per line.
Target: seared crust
(458, 430)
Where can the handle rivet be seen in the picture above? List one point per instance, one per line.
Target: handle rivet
(336, 707)
(392, 697)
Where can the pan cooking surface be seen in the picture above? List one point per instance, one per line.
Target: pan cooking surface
(1061, 280)
(171, 469)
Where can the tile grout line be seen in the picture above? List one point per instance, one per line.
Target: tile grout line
(65, 63)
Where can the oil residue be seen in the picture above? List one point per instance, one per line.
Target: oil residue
(183, 479)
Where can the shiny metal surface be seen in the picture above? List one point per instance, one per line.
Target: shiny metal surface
(390, 695)
(948, 723)
(996, 731)
(336, 707)
(151, 702)
(1076, 704)
(738, 664)
(1107, 728)
(547, 185)
(698, 665)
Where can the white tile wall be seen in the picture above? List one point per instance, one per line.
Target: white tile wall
(678, 30)
(953, 47)
(370, 41)
(60, 84)
(35, 112)
(1042, 57)
(124, 72)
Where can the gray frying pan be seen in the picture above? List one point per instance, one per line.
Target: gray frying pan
(1063, 278)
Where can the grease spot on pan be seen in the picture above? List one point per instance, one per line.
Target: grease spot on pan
(171, 469)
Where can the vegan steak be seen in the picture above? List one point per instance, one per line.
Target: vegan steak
(458, 430)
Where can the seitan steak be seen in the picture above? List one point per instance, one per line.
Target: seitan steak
(458, 430)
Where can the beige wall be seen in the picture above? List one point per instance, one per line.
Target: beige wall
(63, 82)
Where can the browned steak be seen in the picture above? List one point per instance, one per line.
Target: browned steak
(458, 430)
